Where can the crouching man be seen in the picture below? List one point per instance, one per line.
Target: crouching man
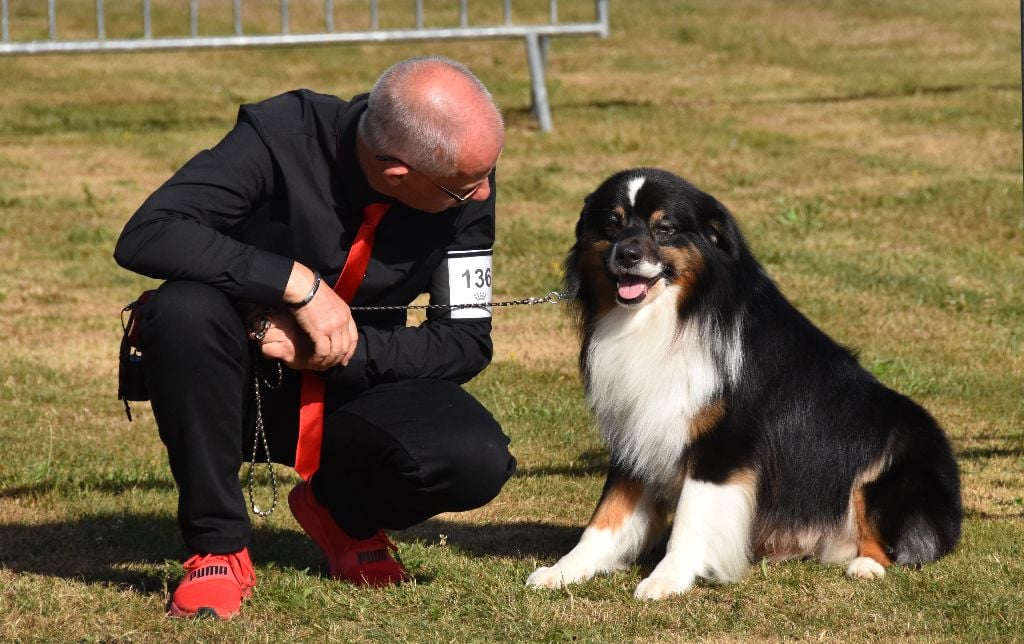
(309, 205)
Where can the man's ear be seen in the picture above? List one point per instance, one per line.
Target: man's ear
(719, 227)
(395, 173)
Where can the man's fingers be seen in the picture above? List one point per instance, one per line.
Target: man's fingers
(354, 335)
(321, 351)
(278, 351)
(341, 341)
(329, 351)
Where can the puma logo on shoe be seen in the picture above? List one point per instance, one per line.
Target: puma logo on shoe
(207, 571)
(372, 556)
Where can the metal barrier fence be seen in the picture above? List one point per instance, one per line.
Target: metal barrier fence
(536, 35)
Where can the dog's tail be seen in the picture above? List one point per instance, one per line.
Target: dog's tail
(915, 504)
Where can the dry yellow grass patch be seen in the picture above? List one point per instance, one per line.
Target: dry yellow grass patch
(538, 338)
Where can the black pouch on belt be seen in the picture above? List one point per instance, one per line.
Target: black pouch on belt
(131, 385)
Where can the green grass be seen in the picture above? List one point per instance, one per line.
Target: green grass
(871, 151)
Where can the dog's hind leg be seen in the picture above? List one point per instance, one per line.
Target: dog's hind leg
(628, 517)
(914, 503)
(872, 559)
(710, 538)
(915, 509)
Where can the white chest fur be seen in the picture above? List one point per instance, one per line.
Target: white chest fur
(649, 377)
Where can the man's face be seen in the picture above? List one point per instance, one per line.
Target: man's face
(429, 193)
(426, 193)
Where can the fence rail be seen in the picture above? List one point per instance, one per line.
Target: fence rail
(535, 34)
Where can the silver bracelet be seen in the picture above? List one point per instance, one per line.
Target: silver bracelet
(309, 296)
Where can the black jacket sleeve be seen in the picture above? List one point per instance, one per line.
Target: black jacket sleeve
(177, 232)
(440, 347)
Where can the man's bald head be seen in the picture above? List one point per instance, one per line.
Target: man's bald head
(434, 114)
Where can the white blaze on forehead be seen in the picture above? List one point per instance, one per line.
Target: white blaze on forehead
(633, 187)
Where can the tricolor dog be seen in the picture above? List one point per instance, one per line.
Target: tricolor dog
(720, 401)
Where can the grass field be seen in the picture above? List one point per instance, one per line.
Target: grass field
(872, 152)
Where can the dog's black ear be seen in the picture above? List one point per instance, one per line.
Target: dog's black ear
(571, 273)
(719, 227)
(583, 215)
(571, 266)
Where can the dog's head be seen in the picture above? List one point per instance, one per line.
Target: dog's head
(642, 231)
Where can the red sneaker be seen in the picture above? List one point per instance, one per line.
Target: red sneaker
(214, 586)
(364, 562)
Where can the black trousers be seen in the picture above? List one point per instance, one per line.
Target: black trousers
(393, 455)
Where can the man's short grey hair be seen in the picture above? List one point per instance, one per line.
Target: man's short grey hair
(393, 125)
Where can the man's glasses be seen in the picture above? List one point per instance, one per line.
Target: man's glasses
(447, 191)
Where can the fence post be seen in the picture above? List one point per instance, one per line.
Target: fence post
(539, 90)
(51, 18)
(101, 26)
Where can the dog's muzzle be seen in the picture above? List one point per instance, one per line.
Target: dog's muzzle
(634, 271)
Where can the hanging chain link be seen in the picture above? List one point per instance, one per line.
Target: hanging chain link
(260, 436)
(554, 297)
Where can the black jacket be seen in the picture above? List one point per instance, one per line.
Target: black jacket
(284, 185)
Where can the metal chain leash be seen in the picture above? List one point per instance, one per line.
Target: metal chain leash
(554, 297)
(260, 436)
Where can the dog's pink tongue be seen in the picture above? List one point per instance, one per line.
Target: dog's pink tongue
(631, 286)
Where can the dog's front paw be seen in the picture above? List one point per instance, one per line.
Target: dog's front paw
(865, 568)
(546, 577)
(557, 576)
(662, 586)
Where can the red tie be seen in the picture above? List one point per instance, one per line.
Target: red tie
(311, 412)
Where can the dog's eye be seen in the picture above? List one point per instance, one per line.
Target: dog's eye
(612, 224)
(664, 229)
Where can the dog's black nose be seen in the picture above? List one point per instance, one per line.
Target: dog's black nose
(628, 255)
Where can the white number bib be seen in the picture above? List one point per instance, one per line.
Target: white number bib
(469, 282)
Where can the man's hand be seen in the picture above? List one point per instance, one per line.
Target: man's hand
(285, 340)
(326, 322)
